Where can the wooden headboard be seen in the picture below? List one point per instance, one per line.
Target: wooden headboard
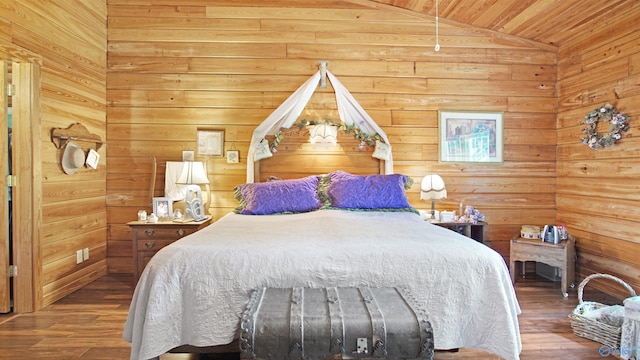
(297, 158)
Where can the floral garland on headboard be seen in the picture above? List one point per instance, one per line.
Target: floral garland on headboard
(364, 138)
(618, 124)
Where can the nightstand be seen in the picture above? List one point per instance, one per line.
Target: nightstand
(561, 255)
(148, 238)
(474, 231)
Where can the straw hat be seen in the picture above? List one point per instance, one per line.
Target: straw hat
(73, 158)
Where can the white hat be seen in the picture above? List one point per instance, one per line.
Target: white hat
(72, 159)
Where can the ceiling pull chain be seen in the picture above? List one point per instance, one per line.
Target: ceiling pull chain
(437, 30)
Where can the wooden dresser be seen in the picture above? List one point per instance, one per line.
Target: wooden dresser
(148, 238)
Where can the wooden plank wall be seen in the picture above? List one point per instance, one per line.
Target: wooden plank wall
(70, 38)
(598, 191)
(177, 66)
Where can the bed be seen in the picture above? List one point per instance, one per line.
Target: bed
(195, 290)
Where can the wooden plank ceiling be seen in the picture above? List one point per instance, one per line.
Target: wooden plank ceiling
(548, 21)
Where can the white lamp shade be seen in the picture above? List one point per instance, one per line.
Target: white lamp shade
(193, 173)
(323, 134)
(432, 188)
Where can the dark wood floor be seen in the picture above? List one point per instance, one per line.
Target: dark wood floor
(88, 325)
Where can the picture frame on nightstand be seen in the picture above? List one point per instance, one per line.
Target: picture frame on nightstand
(162, 207)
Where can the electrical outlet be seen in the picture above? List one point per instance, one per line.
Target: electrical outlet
(79, 257)
(85, 254)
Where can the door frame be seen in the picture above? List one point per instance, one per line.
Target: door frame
(5, 282)
(27, 165)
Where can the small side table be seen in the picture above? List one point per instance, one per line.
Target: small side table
(560, 255)
(149, 238)
(474, 231)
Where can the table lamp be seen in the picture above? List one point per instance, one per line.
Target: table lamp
(193, 174)
(432, 188)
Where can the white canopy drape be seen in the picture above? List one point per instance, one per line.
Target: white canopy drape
(350, 112)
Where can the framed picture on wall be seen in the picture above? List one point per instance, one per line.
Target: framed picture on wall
(188, 155)
(470, 136)
(210, 142)
(233, 156)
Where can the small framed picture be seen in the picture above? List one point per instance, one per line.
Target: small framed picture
(162, 207)
(188, 155)
(233, 156)
(210, 142)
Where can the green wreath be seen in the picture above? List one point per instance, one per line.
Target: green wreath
(618, 124)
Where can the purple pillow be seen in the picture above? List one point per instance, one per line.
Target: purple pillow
(277, 197)
(348, 191)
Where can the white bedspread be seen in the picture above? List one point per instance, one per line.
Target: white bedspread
(195, 290)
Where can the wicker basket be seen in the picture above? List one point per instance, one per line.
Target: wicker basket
(591, 329)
